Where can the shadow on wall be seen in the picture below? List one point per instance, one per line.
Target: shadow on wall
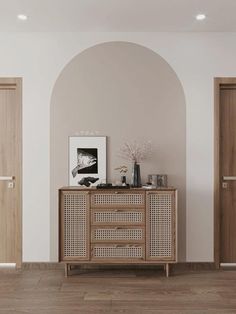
(126, 92)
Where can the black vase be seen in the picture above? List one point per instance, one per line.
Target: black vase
(136, 177)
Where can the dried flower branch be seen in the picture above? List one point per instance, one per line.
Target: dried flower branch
(135, 152)
(122, 169)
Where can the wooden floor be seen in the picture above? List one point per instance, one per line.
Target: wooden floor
(116, 291)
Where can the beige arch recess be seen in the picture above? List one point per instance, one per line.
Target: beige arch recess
(126, 92)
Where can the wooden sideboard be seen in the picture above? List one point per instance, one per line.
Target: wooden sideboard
(128, 226)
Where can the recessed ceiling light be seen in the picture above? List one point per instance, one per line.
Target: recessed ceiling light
(200, 17)
(22, 17)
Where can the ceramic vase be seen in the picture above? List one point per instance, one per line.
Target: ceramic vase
(136, 177)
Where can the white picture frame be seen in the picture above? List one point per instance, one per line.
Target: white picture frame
(87, 159)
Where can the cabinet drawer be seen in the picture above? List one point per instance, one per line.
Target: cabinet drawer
(117, 216)
(117, 234)
(117, 199)
(116, 252)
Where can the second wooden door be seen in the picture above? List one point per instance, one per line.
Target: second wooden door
(228, 173)
(10, 171)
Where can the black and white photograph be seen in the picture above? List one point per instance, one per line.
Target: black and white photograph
(87, 160)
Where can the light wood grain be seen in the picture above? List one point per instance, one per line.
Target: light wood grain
(118, 291)
(11, 165)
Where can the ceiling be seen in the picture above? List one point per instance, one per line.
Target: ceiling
(118, 15)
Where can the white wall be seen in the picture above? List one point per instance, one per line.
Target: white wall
(39, 58)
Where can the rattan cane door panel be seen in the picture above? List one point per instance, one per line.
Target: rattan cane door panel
(118, 199)
(75, 226)
(118, 217)
(160, 226)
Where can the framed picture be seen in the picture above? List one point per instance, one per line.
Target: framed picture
(87, 160)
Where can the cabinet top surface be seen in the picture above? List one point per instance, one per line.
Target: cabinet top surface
(76, 188)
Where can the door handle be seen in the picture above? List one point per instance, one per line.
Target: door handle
(229, 178)
(5, 178)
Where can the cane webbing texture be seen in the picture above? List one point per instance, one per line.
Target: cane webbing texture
(107, 252)
(117, 234)
(75, 225)
(134, 217)
(160, 225)
(119, 199)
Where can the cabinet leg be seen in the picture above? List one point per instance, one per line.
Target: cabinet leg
(167, 268)
(66, 270)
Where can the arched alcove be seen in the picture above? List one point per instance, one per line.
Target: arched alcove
(126, 92)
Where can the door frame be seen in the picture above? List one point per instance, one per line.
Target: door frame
(217, 167)
(16, 83)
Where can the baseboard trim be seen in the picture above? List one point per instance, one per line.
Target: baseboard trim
(42, 266)
(194, 266)
(184, 266)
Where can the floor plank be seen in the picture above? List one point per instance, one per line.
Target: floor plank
(116, 291)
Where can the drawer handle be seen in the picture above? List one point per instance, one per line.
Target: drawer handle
(121, 245)
(126, 246)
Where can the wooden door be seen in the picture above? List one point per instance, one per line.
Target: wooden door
(228, 173)
(10, 171)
